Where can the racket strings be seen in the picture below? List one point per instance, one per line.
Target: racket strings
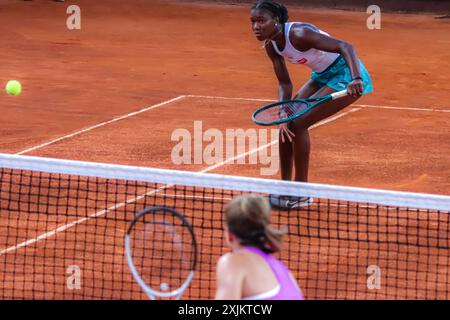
(281, 111)
(162, 251)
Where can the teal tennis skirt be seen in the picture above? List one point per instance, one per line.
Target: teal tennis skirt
(337, 76)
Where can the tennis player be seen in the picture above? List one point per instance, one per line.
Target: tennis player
(250, 271)
(335, 67)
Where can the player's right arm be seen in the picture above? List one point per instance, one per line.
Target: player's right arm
(284, 85)
(284, 81)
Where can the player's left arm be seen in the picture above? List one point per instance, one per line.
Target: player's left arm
(306, 38)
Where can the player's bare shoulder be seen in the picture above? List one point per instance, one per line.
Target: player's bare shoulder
(299, 32)
(300, 29)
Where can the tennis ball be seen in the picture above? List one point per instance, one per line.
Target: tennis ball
(13, 88)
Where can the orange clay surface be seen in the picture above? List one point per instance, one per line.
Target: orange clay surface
(127, 57)
(130, 56)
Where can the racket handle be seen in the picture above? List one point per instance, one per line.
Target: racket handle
(339, 94)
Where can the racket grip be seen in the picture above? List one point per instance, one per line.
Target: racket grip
(339, 94)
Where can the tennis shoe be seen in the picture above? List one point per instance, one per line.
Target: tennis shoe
(288, 202)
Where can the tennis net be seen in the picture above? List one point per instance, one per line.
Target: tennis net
(62, 228)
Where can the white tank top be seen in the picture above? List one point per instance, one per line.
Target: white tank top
(317, 60)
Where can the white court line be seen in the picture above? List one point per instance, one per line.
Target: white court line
(69, 225)
(229, 98)
(275, 142)
(356, 105)
(193, 96)
(73, 134)
(119, 205)
(401, 108)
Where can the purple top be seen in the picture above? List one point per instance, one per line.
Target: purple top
(288, 289)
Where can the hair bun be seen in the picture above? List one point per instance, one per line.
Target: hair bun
(284, 14)
(277, 10)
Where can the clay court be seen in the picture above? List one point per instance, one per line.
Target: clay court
(116, 90)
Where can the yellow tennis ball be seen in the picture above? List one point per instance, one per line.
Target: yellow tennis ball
(13, 88)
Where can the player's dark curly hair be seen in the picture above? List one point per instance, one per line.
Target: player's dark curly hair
(277, 10)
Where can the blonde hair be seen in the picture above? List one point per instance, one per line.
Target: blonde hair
(248, 218)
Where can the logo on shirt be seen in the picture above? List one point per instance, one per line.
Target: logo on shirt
(302, 61)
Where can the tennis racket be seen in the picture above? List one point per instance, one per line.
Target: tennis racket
(161, 252)
(286, 111)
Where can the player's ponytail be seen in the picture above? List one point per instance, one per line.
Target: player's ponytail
(284, 14)
(277, 10)
(248, 218)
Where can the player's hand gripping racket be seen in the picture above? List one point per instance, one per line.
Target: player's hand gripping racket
(161, 252)
(286, 111)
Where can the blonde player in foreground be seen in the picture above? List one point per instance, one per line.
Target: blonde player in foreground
(250, 271)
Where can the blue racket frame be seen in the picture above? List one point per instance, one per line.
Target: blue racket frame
(317, 101)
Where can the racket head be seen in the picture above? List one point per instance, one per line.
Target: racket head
(288, 110)
(161, 252)
(281, 112)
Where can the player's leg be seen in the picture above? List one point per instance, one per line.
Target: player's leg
(336, 77)
(301, 145)
(286, 148)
